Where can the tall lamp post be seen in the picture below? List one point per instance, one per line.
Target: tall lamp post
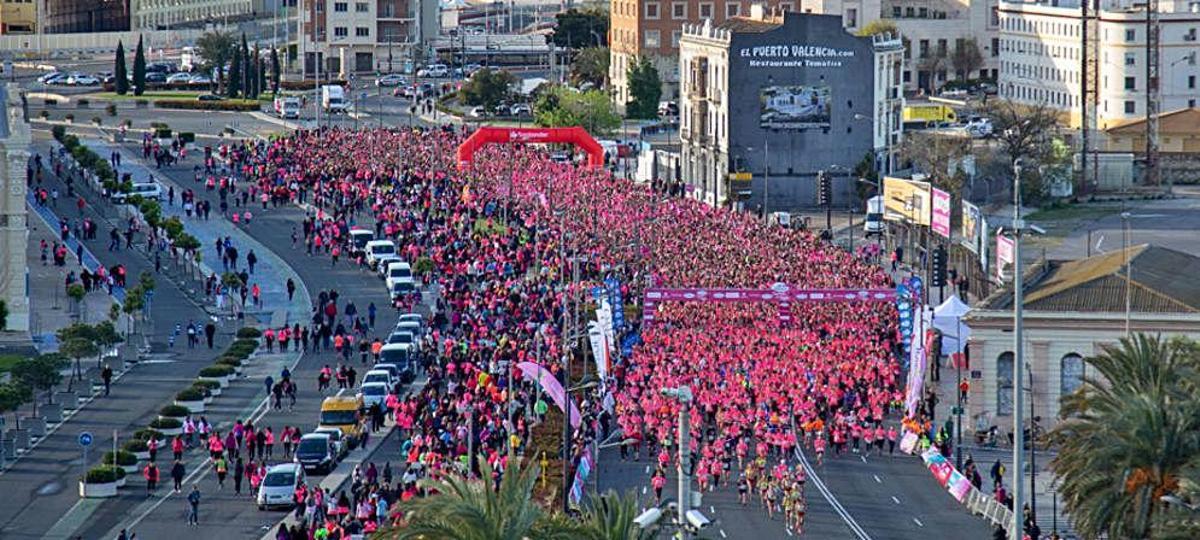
(683, 395)
(1018, 492)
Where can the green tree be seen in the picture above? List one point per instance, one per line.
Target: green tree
(40, 373)
(234, 87)
(120, 73)
(139, 69)
(106, 336)
(879, 26)
(560, 106)
(1127, 434)
(78, 348)
(13, 394)
(247, 68)
(610, 517)
(645, 89)
(487, 88)
(217, 48)
(578, 28)
(275, 71)
(3, 315)
(469, 509)
(590, 66)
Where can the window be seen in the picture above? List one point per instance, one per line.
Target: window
(1191, 81)
(675, 34)
(652, 39)
(896, 13)
(340, 31)
(1070, 374)
(907, 76)
(923, 12)
(1004, 384)
(706, 10)
(652, 10)
(1130, 59)
(1131, 35)
(941, 50)
(787, 6)
(679, 11)
(320, 7)
(1191, 103)
(851, 18)
(1131, 83)
(995, 47)
(341, 7)
(362, 31)
(1130, 107)
(361, 7)
(923, 48)
(733, 9)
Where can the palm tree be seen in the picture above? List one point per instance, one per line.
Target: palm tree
(469, 509)
(1127, 434)
(611, 518)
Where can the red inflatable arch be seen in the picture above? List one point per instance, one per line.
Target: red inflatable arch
(489, 135)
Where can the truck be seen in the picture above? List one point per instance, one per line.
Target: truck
(928, 115)
(287, 106)
(333, 99)
(874, 222)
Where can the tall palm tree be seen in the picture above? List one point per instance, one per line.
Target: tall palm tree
(1127, 434)
(469, 509)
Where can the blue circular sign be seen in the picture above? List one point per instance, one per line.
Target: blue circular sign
(85, 438)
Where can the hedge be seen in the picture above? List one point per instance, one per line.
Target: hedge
(103, 474)
(124, 458)
(217, 371)
(135, 446)
(231, 361)
(188, 394)
(174, 411)
(248, 332)
(222, 105)
(308, 85)
(166, 423)
(206, 385)
(146, 434)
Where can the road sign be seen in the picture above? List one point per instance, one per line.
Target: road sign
(85, 439)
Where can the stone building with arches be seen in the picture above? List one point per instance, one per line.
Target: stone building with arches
(1072, 309)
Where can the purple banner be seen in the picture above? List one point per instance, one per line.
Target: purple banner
(551, 386)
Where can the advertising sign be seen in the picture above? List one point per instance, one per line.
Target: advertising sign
(983, 244)
(794, 107)
(795, 55)
(906, 201)
(941, 212)
(972, 220)
(1004, 256)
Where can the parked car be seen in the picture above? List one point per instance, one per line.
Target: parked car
(436, 71)
(278, 487)
(149, 190)
(48, 78)
(156, 77)
(339, 441)
(389, 80)
(477, 112)
(210, 97)
(668, 108)
(85, 80)
(179, 78)
(199, 78)
(374, 392)
(521, 109)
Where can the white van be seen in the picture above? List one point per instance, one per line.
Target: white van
(150, 190)
(379, 251)
(396, 272)
(874, 221)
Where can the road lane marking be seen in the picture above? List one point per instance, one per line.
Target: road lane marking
(877, 480)
(722, 531)
(895, 500)
(918, 522)
(855, 528)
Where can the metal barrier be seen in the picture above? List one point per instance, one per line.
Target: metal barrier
(982, 504)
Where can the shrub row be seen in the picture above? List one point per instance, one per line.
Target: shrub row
(223, 105)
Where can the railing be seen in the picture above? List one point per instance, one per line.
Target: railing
(981, 504)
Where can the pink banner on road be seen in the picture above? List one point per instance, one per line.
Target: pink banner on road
(941, 213)
(551, 386)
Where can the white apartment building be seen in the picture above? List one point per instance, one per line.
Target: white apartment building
(358, 36)
(165, 14)
(1040, 51)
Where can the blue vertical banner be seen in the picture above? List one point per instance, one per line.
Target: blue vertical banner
(904, 304)
(614, 299)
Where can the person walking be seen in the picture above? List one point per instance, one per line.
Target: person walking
(151, 475)
(177, 474)
(210, 331)
(222, 469)
(107, 375)
(193, 500)
(238, 473)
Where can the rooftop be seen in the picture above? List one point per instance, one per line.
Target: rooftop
(1180, 122)
(1161, 282)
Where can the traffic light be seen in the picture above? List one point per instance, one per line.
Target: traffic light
(824, 189)
(939, 267)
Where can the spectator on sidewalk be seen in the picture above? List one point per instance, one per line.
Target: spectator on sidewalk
(107, 375)
(193, 500)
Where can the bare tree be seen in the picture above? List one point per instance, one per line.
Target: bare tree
(1023, 130)
(933, 63)
(966, 58)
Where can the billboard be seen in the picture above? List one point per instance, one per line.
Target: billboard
(972, 220)
(794, 107)
(941, 212)
(1004, 256)
(906, 201)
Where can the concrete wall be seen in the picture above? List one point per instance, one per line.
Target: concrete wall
(60, 45)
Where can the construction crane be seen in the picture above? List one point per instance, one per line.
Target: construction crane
(1089, 94)
(1153, 96)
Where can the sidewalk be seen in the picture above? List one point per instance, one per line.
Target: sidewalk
(49, 306)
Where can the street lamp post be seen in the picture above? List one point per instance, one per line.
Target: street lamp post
(1018, 360)
(683, 395)
(1128, 268)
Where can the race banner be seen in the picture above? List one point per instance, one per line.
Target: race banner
(552, 387)
(941, 213)
(1004, 257)
(600, 350)
(581, 475)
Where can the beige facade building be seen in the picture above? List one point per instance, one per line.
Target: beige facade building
(1073, 309)
(359, 36)
(14, 228)
(18, 17)
(165, 14)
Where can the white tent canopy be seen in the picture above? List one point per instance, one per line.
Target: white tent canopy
(947, 318)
